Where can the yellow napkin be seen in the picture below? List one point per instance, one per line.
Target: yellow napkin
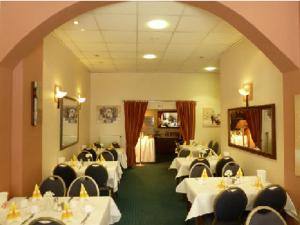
(102, 158)
(13, 212)
(221, 185)
(74, 157)
(83, 192)
(258, 184)
(98, 161)
(204, 174)
(66, 212)
(220, 156)
(36, 192)
(239, 173)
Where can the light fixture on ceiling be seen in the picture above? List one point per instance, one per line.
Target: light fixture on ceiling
(149, 56)
(246, 91)
(76, 22)
(210, 68)
(157, 24)
(59, 95)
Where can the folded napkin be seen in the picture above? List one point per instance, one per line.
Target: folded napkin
(221, 184)
(36, 192)
(66, 212)
(74, 157)
(13, 212)
(239, 173)
(204, 174)
(102, 158)
(258, 184)
(83, 192)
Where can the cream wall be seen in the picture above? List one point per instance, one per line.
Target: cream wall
(245, 63)
(112, 89)
(61, 67)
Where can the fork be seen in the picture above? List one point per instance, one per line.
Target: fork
(85, 218)
(30, 217)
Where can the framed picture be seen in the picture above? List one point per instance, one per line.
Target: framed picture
(210, 118)
(108, 114)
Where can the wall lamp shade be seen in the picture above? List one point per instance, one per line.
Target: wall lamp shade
(58, 95)
(81, 99)
(244, 92)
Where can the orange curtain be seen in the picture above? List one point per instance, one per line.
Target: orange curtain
(134, 118)
(187, 117)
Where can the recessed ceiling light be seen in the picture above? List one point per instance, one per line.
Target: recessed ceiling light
(76, 22)
(149, 56)
(157, 24)
(82, 29)
(210, 68)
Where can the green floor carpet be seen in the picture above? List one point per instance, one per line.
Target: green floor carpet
(147, 196)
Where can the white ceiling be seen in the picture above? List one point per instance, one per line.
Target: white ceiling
(116, 37)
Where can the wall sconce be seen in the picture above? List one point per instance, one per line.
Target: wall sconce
(80, 100)
(247, 92)
(58, 95)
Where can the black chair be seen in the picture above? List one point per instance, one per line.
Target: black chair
(89, 184)
(92, 152)
(263, 215)
(221, 163)
(100, 176)
(230, 169)
(205, 153)
(184, 153)
(115, 153)
(210, 144)
(108, 156)
(200, 160)
(197, 170)
(229, 207)
(215, 148)
(55, 184)
(273, 196)
(85, 156)
(66, 172)
(97, 145)
(46, 221)
(115, 144)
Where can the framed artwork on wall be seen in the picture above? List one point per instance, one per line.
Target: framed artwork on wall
(108, 114)
(211, 118)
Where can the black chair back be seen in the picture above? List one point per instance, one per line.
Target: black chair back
(98, 173)
(55, 184)
(65, 172)
(90, 185)
(197, 170)
(230, 169)
(200, 160)
(115, 154)
(263, 215)
(184, 153)
(273, 196)
(115, 145)
(215, 148)
(221, 163)
(46, 221)
(85, 156)
(108, 156)
(92, 152)
(230, 205)
(210, 144)
(97, 145)
(205, 153)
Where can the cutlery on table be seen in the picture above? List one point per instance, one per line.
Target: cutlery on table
(30, 217)
(85, 218)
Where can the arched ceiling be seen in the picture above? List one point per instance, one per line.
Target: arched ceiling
(114, 38)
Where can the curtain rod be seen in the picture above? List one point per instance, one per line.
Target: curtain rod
(160, 100)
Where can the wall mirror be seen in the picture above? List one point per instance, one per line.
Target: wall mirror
(253, 129)
(69, 122)
(297, 135)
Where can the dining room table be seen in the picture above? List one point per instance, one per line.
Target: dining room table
(202, 193)
(182, 164)
(113, 168)
(197, 149)
(87, 211)
(122, 156)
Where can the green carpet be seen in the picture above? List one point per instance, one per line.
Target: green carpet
(147, 196)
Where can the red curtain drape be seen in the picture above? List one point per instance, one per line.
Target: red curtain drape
(253, 117)
(187, 117)
(134, 118)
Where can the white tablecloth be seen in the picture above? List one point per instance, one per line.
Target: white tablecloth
(202, 194)
(122, 156)
(197, 149)
(182, 165)
(147, 149)
(113, 169)
(104, 210)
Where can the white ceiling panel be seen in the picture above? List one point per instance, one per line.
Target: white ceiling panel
(85, 21)
(151, 47)
(119, 37)
(84, 36)
(91, 46)
(119, 9)
(121, 47)
(123, 55)
(154, 37)
(187, 38)
(163, 8)
(116, 22)
(95, 54)
(197, 24)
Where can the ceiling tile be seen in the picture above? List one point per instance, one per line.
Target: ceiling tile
(108, 68)
(209, 50)
(96, 55)
(84, 36)
(91, 46)
(154, 37)
(119, 36)
(222, 38)
(117, 22)
(197, 24)
(187, 38)
(144, 19)
(160, 8)
(85, 21)
(121, 47)
(182, 48)
(126, 68)
(169, 67)
(195, 11)
(151, 47)
(117, 8)
(123, 55)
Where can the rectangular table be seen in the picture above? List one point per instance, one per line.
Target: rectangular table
(182, 165)
(104, 211)
(114, 171)
(197, 149)
(122, 156)
(202, 194)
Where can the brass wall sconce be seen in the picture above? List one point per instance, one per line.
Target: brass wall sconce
(247, 92)
(80, 100)
(59, 95)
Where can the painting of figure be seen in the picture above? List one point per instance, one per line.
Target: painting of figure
(108, 114)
